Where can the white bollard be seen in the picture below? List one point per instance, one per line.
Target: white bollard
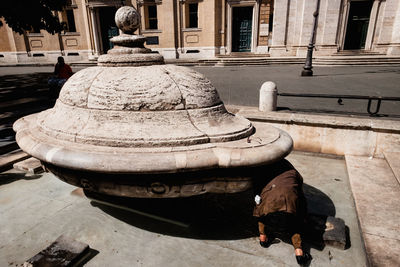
(268, 97)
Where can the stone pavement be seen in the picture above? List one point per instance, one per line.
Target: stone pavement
(372, 152)
(35, 210)
(230, 82)
(20, 95)
(377, 196)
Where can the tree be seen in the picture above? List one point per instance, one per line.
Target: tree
(27, 15)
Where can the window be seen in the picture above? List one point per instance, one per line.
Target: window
(71, 20)
(68, 19)
(193, 17)
(34, 30)
(151, 17)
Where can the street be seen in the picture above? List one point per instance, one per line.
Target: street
(239, 85)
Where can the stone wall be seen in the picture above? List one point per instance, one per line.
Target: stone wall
(266, 11)
(45, 47)
(293, 20)
(331, 134)
(280, 29)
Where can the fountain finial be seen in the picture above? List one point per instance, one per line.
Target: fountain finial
(127, 19)
(129, 48)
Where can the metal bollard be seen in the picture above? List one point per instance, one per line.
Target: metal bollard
(268, 97)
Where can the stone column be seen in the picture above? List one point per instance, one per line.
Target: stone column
(394, 48)
(12, 55)
(93, 19)
(303, 26)
(255, 22)
(328, 27)
(387, 31)
(265, 11)
(372, 24)
(279, 30)
(229, 28)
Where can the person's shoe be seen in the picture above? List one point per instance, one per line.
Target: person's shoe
(264, 241)
(264, 244)
(304, 259)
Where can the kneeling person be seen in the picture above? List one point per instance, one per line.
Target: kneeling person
(280, 204)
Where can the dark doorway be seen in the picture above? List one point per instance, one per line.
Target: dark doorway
(357, 25)
(107, 26)
(241, 29)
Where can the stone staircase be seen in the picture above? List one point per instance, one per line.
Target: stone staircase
(257, 60)
(356, 60)
(20, 95)
(375, 183)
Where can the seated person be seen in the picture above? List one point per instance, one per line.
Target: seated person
(280, 204)
(62, 71)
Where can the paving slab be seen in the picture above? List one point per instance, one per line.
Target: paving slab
(393, 159)
(30, 165)
(34, 212)
(376, 193)
(7, 160)
(64, 251)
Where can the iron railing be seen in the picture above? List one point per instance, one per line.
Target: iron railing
(340, 98)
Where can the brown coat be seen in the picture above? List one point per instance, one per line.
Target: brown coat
(280, 189)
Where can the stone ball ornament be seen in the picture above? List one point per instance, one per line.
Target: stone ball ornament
(127, 19)
(135, 127)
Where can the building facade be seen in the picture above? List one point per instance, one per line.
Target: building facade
(212, 28)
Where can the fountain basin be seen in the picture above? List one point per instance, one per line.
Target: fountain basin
(220, 167)
(133, 126)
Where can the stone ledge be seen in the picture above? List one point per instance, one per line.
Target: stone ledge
(337, 135)
(377, 215)
(30, 165)
(343, 122)
(393, 159)
(7, 160)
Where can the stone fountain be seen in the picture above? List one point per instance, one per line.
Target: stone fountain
(135, 127)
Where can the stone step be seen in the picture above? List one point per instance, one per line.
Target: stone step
(357, 60)
(65, 251)
(9, 117)
(241, 64)
(356, 53)
(7, 95)
(7, 160)
(354, 63)
(243, 61)
(6, 131)
(393, 159)
(7, 146)
(22, 102)
(376, 195)
(29, 165)
(241, 54)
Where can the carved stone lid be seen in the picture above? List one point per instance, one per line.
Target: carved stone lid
(134, 108)
(132, 99)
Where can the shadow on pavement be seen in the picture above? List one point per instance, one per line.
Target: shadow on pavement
(6, 178)
(21, 95)
(209, 216)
